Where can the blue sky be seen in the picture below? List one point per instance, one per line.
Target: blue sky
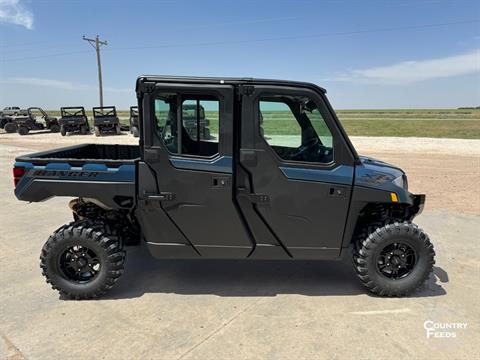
(368, 54)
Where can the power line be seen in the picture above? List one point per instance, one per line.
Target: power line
(357, 32)
(98, 43)
(3, 46)
(233, 42)
(205, 26)
(46, 56)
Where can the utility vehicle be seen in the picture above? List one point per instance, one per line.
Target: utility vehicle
(4, 120)
(35, 119)
(281, 181)
(134, 121)
(105, 119)
(8, 113)
(73, 119)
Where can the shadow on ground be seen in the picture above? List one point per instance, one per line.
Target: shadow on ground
(144, 274)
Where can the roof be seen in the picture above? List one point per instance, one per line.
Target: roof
(225, 80)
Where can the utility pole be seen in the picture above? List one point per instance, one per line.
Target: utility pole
(97, 43)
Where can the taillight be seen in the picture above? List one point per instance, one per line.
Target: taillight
(18, 172)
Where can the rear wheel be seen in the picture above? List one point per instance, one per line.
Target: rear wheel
(83, 130)
(54, 128)
(394, 260)
(82, 260)
(63, 130)
(118, 130)
(22, 130)
(10, 127)
(97, 131)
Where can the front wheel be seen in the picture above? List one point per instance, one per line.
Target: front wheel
(97, 131)
(54, 128)
(394, 260)
(10, 127)
(22, 130)
(63, 130)
(82, 260)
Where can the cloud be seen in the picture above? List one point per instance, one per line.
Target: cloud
(13, 12)
(60, 84)
(412, 71)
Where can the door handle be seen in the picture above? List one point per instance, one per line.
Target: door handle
(220, 182)
(337, 191)
(163, 196)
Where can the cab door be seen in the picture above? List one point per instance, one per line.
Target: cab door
(297, 171)
(186, 205)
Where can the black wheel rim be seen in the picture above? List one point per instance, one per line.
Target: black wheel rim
(396, 261)
(79, 264)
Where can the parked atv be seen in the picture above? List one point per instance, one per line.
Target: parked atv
(23, 124)
(4, 120)
(105, 119)
(134, 121)
(73, 119)
(8, 113)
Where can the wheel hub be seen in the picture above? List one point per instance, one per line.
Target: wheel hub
(79, 264)
(396, 261)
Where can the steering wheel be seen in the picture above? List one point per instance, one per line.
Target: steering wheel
(306, 152)
(312, 152)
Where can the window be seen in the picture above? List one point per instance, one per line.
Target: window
(198, 123)
(295, 129)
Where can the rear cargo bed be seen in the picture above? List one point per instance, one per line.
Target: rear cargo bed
(103, 172)
(112, 155)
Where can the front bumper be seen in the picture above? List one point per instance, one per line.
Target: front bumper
(418, 203)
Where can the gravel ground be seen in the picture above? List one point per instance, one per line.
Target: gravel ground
(235, 309)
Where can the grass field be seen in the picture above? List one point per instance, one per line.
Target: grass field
(441, 123)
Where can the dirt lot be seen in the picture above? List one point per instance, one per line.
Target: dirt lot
(219, 309)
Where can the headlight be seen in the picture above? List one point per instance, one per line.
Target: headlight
(401, 181)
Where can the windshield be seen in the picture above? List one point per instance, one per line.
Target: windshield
(105, 111)
(73, 112)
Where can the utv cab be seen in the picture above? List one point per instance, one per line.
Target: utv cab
(134, 121)
(73, 119)
(24, 123)
(105, 119)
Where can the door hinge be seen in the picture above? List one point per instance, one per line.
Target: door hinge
(246, 90)
(151, 154)
(145, 87)
(254, 198)
(258, 198)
